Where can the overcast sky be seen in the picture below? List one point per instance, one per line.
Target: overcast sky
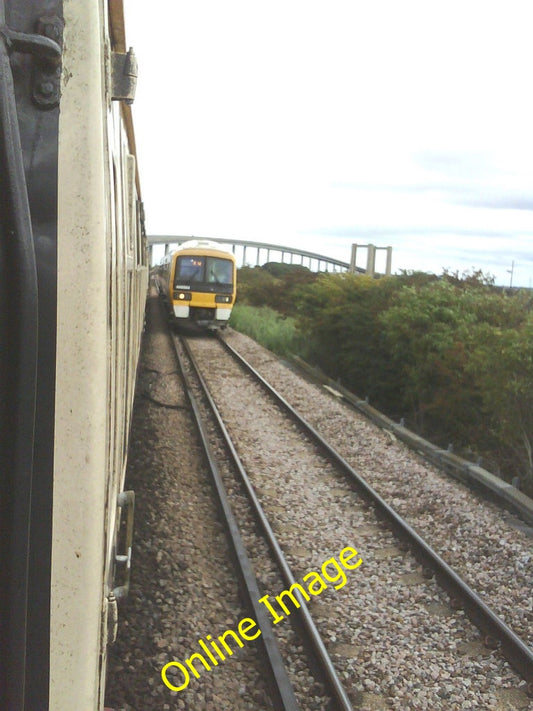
(321, 124)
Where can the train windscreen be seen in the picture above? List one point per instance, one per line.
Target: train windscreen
(205, 270)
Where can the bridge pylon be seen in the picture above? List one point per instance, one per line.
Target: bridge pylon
(370, 259)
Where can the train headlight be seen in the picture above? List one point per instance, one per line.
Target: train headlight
(223, 299)
(181, 296)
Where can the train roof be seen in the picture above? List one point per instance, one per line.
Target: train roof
(203, 247)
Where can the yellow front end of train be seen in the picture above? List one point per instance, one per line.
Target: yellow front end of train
(198, 282)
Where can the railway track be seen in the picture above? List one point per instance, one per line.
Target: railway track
(184, 586)
(413, 602)
(489, 547)
(283, 692)
(393, 638)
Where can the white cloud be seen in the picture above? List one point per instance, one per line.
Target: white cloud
(307, 122)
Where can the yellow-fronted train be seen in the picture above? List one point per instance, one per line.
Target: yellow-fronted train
(198, 283)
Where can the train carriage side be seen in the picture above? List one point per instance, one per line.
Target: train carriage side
(101, 239)
(76, 204)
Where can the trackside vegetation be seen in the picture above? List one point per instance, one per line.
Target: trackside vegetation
(274, 331)
(452, 355)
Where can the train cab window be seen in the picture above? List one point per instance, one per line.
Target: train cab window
(190, 269)
(219, 271)
(212, 270)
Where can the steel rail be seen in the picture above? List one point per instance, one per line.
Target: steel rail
(286, 697)
(336, 687)
(517, 653)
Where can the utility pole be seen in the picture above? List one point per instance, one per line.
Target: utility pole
(510, 271)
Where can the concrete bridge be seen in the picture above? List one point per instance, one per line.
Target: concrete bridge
(259, 253)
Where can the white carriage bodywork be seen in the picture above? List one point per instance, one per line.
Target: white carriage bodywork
(102, 279)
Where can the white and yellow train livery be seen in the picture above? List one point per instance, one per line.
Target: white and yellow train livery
(198, 284)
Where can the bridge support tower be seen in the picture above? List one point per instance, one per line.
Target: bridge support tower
(370, 258)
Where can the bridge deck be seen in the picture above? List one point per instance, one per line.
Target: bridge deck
(263, 252)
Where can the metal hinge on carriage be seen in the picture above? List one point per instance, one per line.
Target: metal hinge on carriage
(123, 76)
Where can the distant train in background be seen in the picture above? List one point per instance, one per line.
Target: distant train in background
(198, 283)
(73, 281)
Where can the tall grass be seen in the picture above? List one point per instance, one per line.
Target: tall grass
(267, 327)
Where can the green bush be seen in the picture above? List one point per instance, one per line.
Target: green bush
(454, 356)
(339, 317)
(273, 285)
